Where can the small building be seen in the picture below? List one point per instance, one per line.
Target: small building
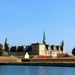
(26, 56)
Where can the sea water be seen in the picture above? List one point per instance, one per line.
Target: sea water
(36, 70)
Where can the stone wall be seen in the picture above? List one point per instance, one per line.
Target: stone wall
(18, 53)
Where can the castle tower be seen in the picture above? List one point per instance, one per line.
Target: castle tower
(6, 45)
(44, 38)
(62, 44)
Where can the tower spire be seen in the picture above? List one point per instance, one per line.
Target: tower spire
(6, 40)
(44, 38)
(62, 44)
(6, 45)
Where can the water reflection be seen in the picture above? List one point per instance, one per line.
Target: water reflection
(36, 70)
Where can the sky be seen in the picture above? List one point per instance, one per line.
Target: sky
(24, 21)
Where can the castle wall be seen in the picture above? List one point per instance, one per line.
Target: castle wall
(18, 53)
(35, 49)
(41, 49)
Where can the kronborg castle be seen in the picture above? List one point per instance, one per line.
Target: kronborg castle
(42, 49)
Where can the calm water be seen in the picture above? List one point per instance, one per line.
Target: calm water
(36, 70)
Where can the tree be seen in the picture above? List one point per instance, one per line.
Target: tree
(1, 50)
(73, 51)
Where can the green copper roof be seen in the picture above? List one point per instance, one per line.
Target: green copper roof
(44, 38)
(6, 41)
(24, 47)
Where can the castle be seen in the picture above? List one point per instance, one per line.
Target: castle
(36, 48)
(47, 50)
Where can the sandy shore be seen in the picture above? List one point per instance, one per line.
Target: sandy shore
(9, 59)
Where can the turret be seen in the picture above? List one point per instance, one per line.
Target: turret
(62, 44)
(6, 45)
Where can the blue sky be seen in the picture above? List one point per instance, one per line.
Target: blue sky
(24, 21)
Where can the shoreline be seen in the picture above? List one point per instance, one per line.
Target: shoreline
(55, 62)
(40, 64)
